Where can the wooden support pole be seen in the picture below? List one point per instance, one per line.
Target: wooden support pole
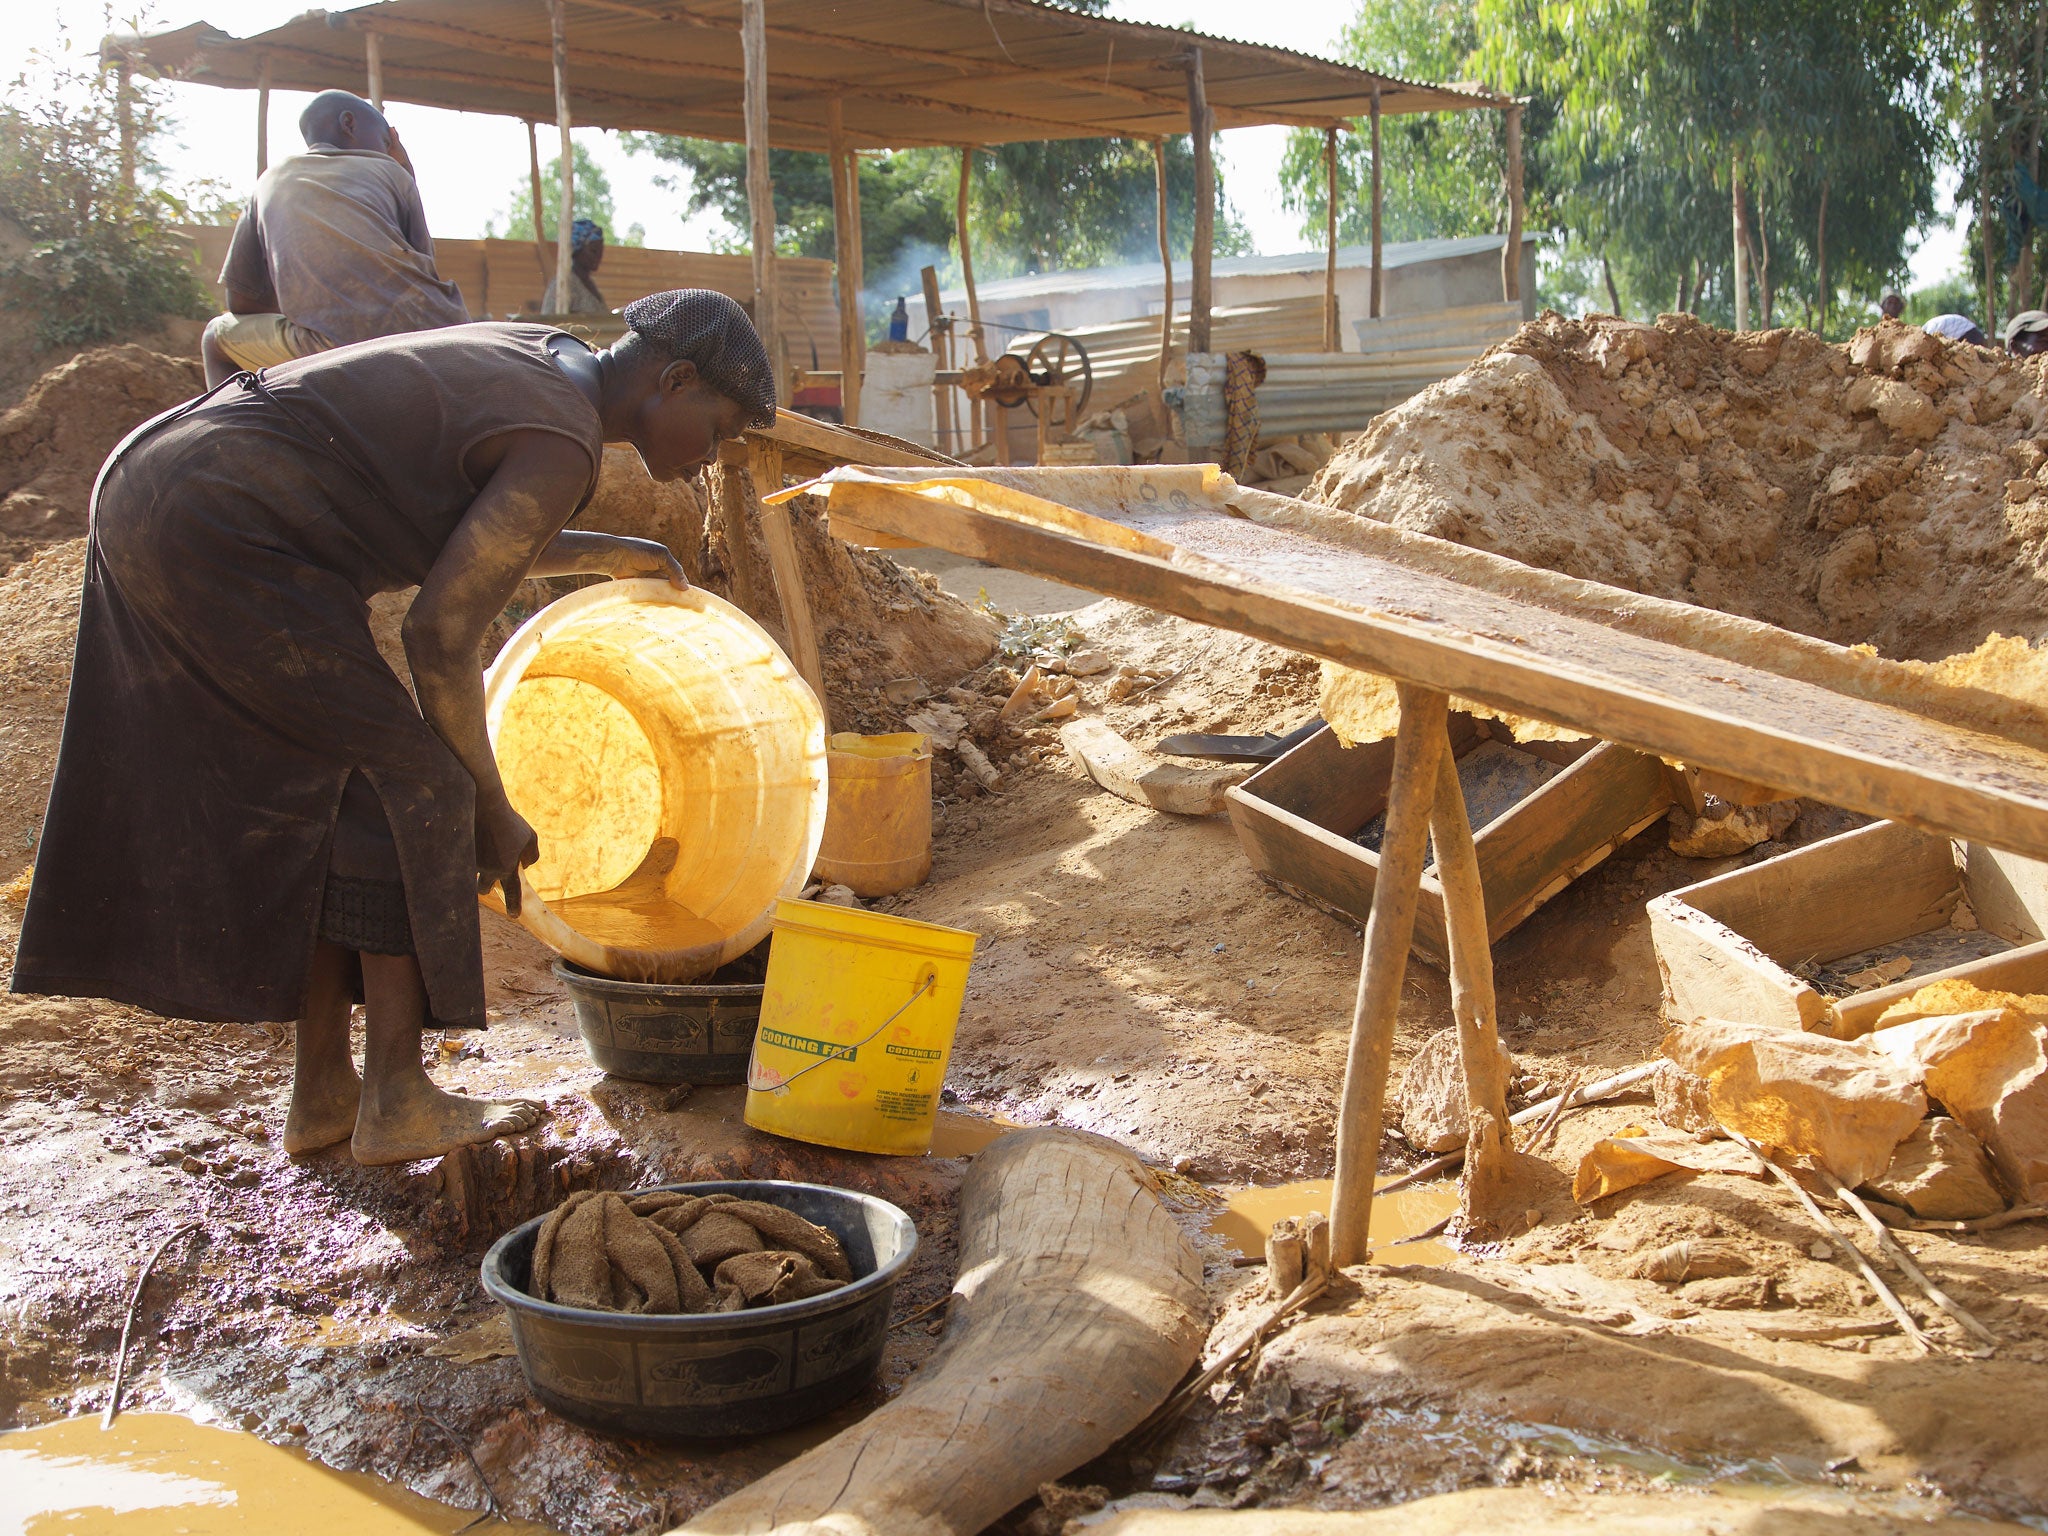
(565, 202)
(263, 116)
(1332, 340)
(1376, 304)
(982, 412)
(942, 359)
(1511, 253)
(1201, 124)
(760, 184)
(124, 111)
(845, 172)
(1389, 930)
(373, 63)
(543, 252)
(1165, 262)
(788, 572)
(1488, 1155)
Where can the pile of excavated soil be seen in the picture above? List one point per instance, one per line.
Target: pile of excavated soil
(38, 628)
(53, 442)
(1890, 491)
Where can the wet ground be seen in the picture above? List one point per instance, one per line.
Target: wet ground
(1134, 978)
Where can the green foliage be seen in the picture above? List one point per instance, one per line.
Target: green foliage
(1658, 103)
(1444, 173)
(591, 199)
(101, 260)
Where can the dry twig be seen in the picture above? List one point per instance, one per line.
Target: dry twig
(1183, 1397)
(492, 1510)
(1895, 1216)
(1565, 1100)
(128, 1322)
(1850, 1251)
(925, 1311)
(1895, 1251)
(1606, 1088)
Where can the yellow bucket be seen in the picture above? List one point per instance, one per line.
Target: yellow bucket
(857, 1024)
(878, 829)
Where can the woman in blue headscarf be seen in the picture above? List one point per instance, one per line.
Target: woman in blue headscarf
(586, 255)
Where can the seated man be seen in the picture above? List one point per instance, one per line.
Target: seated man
(333, 248)
(586, 255)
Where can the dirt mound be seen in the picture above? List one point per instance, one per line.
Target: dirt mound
(53, 443)
(1889, 491)
(38, 628)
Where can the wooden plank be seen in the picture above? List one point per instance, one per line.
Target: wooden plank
(816, 439)
(2021, 970)
(787, 570)
(1712, 972)
(1565, 828)
(1685, 683)
(1132, 774)
(1836, 897)
(2009, 894)
(1078, 1309)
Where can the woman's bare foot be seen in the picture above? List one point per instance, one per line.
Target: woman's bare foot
(412, 1119)
(325, 1088)
(322, 1116)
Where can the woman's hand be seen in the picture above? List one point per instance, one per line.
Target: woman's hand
(622, 558)
(505, 844)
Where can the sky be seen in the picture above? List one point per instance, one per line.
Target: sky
(472, 166)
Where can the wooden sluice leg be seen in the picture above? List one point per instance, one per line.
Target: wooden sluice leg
(1389, 929)
(1488, 1155)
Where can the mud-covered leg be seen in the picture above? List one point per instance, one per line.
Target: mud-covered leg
(404, 1116)
(325, 1088)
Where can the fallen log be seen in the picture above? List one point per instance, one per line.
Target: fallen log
(1078, 1308)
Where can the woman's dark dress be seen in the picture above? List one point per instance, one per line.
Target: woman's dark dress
(227, 687)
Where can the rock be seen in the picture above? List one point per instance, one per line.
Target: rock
(1694, 1258)
(1725, 829)
(1682, 1100)
(1840, 1101)
(1732, 1293)
(1087, 663)
(1940, 1173)
(1433, 1094)
(839, 896)
(1989, 1069)
(1901, 407)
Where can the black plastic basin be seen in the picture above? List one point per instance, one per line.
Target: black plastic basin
(711, 1375)
(655, 1033)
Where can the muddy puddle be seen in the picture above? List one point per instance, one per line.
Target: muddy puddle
(1248, 1215)
(162, 1474)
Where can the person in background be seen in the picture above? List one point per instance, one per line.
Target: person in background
(2026, 333)
(1890, 305)
(333, 248)
(1956, 328)
(586, 255)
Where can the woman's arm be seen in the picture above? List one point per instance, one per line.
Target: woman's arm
(530, 494)
(576, 553)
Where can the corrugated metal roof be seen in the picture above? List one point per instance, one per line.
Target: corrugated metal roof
(1401, 253)
(905, 72)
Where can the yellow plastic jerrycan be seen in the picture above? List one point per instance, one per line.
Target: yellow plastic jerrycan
(673, 764)
(878, 831)
(857, 1023)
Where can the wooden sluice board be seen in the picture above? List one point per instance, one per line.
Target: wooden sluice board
(1709, 689)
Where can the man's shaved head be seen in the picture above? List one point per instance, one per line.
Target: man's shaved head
(344, 120)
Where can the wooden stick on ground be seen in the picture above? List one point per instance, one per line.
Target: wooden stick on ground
(1078, 1308)
(1849, 1250)
(787, 571)
(1606, 1088)
(1894, 1250)
(128, 1322)
(1893, 1216)
(1389, 929)
(1561, 1103)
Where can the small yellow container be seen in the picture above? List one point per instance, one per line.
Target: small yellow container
(878, 831)
(857, 1023)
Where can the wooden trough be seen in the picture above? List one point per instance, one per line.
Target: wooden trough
(1752, 944)
(1542, 813)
